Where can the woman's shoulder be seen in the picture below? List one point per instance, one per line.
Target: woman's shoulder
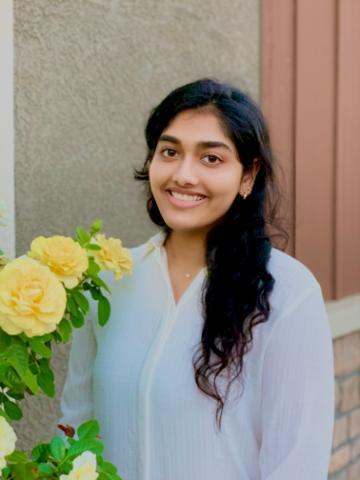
(293, 279)
(141, 251)
(285, 267)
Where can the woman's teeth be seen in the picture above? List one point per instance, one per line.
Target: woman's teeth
(182, 196)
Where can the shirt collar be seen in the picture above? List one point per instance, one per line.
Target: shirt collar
(156, 241)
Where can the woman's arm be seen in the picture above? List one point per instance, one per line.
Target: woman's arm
(297, 398)
(76, 401)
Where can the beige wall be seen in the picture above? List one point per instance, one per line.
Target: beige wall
(86, 76)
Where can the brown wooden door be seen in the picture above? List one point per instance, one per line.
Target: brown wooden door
(311, 98)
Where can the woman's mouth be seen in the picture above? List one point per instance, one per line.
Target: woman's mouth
(183, 200)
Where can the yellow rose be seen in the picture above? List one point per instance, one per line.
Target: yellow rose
(7, 441)
(65, 257)
(112, 256)
(32, 299)
(84, 468)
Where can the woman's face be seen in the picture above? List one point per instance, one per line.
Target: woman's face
(195, 173)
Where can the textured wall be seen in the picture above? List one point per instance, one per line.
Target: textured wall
(86, 75)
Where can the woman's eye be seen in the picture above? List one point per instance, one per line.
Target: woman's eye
(212, 159)
(168, 152)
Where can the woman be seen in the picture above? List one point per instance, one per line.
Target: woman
(217, 361)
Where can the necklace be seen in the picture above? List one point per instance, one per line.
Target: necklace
(167, 253)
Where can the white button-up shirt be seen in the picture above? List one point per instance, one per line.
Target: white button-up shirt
(135, 375)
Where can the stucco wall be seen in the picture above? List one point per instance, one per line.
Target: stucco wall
(86, 75)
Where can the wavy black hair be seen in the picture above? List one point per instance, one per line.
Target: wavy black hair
(235, 295)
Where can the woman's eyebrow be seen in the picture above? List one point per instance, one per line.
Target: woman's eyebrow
(213, 144)
(169, 138)
(204, 144)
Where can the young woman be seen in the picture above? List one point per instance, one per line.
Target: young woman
(217, 361)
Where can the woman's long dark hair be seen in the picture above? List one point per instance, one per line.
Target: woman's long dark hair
(235, 296)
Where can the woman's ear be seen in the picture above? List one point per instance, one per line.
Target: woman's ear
(248, 178)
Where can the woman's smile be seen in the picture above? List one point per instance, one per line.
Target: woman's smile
(181, 200)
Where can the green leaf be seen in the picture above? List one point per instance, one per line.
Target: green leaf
(23, 471)
(44, 338)
(65, 468)
(3, 370)
(46, 469)
(77, 320)
(11, 377)
(95, 292)
(46, 383)
(38, 347)
(84, 444)
(64, 328)
(30, 381)
(5, 472)
(44, 365)
(57, 448)
(104, 310)
(72, 305)
(76, 315)
(18, 357)
(17, 457)
(93, 246)
(5, 341)
(57, 337)
(13, 410)
(40, 452)
(34, 368)
(96, 226)
(108, 468)
(105, 476)
(82, 301)
(82, 235)
(15, 395)
(88, 429)
(93, 268)
(100, 283)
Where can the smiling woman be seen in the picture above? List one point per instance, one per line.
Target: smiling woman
(195, 164)
(219, 362)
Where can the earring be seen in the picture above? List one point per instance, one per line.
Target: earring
(245, 195)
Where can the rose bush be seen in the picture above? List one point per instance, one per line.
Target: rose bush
(43, 296)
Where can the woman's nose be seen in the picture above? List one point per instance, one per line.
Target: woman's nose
(185, 172)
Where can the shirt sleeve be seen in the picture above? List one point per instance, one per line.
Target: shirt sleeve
(297, 396)
(76, 401)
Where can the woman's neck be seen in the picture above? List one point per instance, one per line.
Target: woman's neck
(186, 249)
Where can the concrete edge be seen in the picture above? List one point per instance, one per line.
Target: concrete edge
(344, 315)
